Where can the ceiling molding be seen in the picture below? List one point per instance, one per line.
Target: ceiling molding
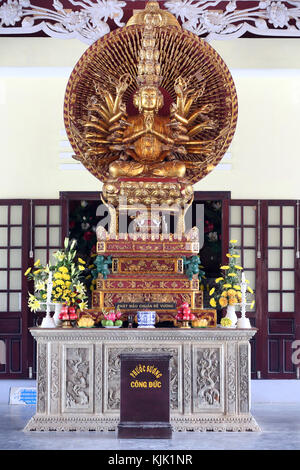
(88, 20)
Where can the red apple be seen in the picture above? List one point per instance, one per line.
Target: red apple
(185, 305)
(72, 310)
(186, 311)
(192, 316)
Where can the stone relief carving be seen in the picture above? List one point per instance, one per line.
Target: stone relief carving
(231, 377)
(98, 378)
(244, 377)
(77, 377)
(187, 380)
(42, 378)
(54, 376)
(208, 377)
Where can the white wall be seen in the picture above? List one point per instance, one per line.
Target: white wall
(265, 159)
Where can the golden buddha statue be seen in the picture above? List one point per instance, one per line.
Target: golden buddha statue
(149, 61)
(148, 141)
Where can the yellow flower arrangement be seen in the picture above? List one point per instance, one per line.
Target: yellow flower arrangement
(227, 289)
(66, 285)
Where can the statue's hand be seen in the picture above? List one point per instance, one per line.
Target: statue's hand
(149, 123)
(124, 83)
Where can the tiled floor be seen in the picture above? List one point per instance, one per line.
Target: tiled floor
(280, 424)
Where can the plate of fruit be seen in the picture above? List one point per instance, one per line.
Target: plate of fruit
(112, 319)
(85, 321)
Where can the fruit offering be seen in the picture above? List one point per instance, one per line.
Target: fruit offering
(67, 313)
(85, 321)
(200, 323)
(112, 318)
(184, 313)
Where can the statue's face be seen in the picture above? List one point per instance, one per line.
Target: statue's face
(149, 98)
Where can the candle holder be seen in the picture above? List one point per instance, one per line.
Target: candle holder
(48, 321)
(243, 322)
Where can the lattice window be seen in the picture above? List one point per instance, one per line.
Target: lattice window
(243, 227)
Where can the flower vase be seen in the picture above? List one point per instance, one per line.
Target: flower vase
(230, 313)
(57, 310)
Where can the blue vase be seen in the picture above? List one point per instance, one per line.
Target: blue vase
(146, 319)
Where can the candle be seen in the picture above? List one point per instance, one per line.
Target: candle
(49, 287)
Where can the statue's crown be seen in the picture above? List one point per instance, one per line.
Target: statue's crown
(149, 66)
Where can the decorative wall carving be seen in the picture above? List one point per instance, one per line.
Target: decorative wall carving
(208, 378)
(89, 20)
(243, 377)
(55, 379)
(77, 378)
(42, 374)
(231, 377)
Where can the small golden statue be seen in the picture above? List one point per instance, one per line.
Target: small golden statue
(147, 60)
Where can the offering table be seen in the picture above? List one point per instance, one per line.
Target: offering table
(78, 377)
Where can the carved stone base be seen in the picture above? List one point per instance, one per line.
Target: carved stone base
(78, 377)
(89, 423)
(71, 423)
(216, 424)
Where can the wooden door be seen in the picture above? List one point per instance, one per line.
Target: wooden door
(268, 235)
(14, 245)
(280, 298)
(29, 230)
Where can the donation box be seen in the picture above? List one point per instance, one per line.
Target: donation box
(145, 396)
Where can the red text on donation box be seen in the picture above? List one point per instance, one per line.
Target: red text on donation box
(145, 395)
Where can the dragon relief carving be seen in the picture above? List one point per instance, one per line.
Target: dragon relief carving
(208, 377)
(77, 378)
